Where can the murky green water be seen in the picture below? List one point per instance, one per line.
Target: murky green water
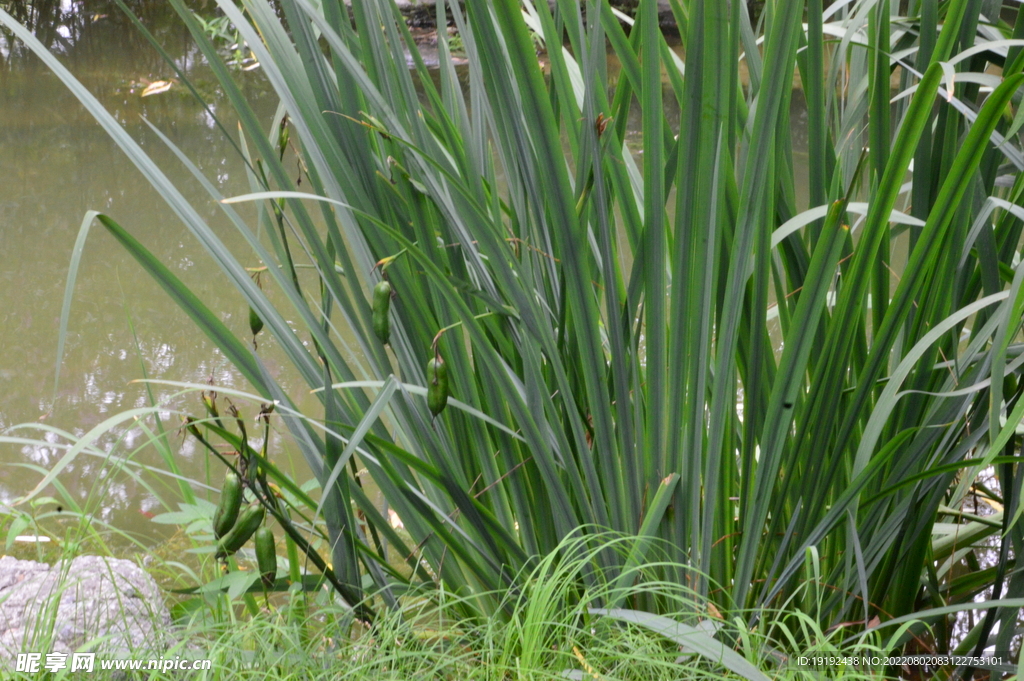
(56, 164)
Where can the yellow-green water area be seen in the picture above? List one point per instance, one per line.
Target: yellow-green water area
(56, 164)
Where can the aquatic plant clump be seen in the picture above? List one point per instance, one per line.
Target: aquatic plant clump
(598, 311)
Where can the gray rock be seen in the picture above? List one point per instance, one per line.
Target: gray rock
(103, 605)
(14, 571)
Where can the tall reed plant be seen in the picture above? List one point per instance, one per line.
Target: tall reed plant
(669, 345)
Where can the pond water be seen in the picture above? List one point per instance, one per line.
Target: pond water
(57, 164)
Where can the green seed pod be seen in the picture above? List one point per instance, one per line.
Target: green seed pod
(381, 306)
(437, 385)
(248, 522)
(227, 510)
(210, 402)
(255, 323)
(266, 556)
(282, 137)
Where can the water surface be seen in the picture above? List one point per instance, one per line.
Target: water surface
(57, 163)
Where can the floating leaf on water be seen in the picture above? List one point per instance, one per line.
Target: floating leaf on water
(157, 87)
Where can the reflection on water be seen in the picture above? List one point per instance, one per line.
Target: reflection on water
(57, 163)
